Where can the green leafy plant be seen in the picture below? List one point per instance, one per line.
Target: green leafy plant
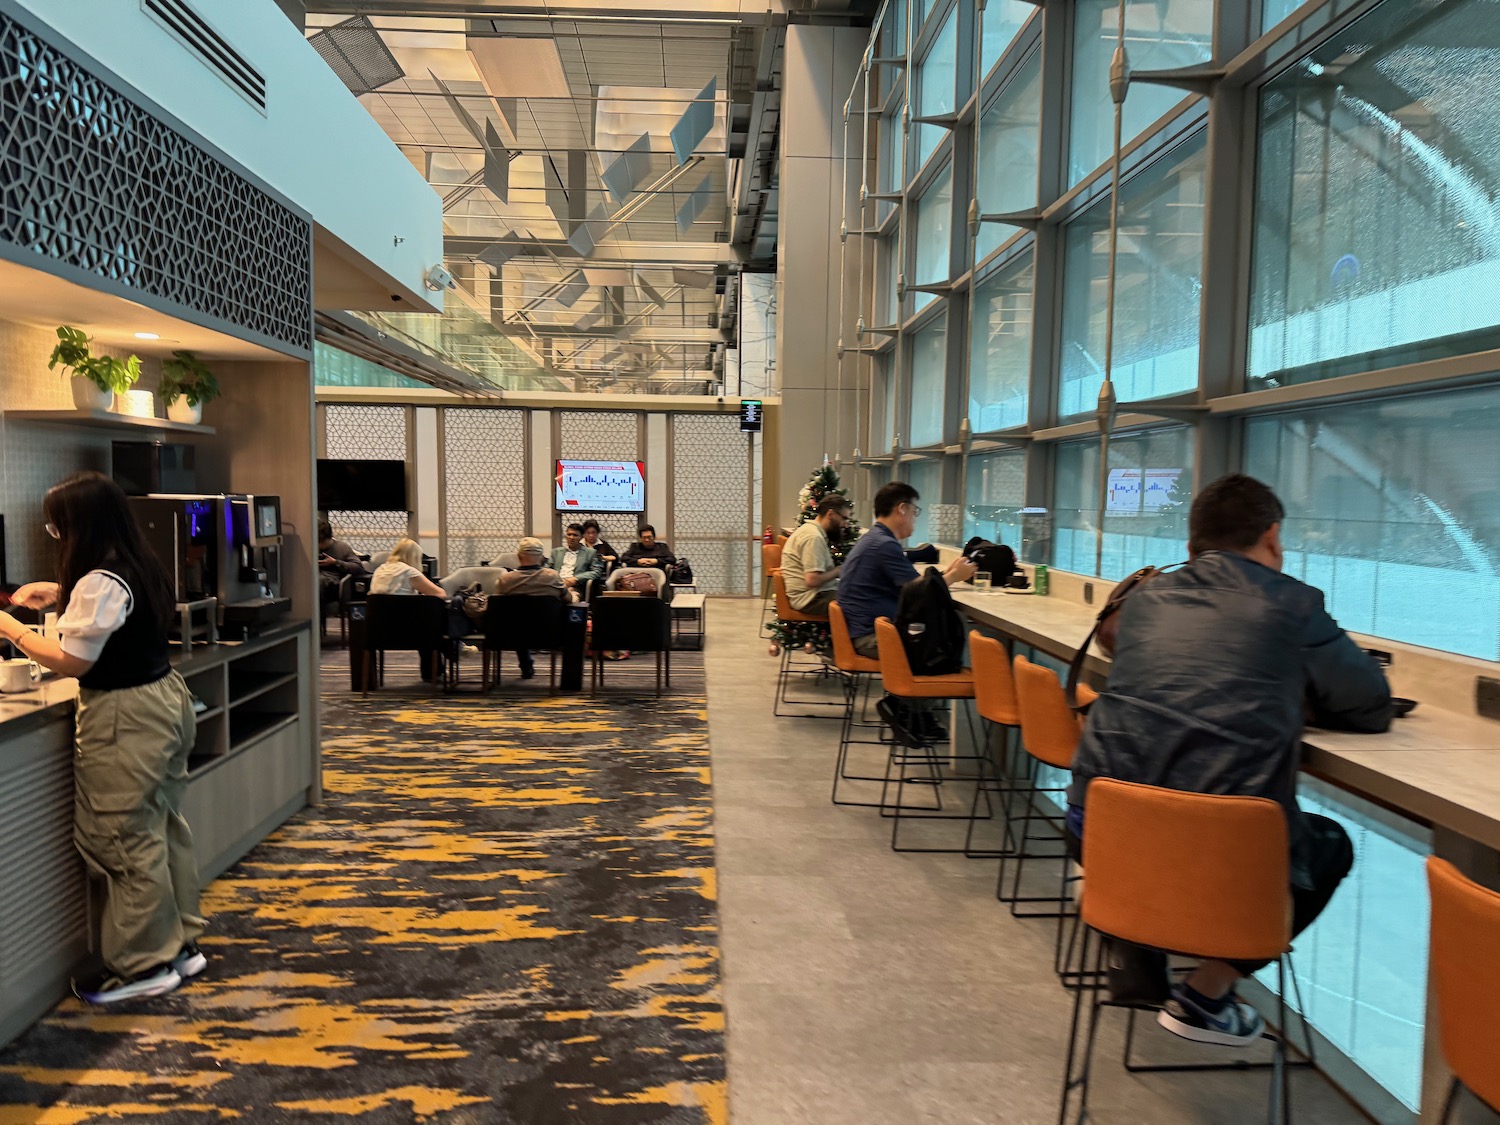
(104, 371)
(186, 376)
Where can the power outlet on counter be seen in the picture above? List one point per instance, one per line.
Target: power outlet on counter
(1487, 697)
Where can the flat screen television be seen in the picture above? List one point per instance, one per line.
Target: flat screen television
(601, 486)
(361, 486)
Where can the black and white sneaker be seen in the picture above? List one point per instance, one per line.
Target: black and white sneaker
(190, 961)
(1237, 1024)
(114, 989)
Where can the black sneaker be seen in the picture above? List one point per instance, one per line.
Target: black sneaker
(189, 961)
(1136, 975)
(112, 989)
(931, 728)
(1237, 1024)
(899, 719)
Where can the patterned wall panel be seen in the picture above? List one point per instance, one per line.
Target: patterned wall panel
(484, 485)
(603, 436)
(711, 500)
(367, 433)
(95, 181)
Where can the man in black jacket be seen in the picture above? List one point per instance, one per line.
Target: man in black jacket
(648, 550)
(1216, 667)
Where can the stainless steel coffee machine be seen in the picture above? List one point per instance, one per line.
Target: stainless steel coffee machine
(226, 547)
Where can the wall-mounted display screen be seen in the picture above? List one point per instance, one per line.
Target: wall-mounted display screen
(601, 486)
(361, 486)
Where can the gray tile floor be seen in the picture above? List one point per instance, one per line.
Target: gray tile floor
(870, 988)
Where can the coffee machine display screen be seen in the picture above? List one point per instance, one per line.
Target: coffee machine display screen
(267, 519)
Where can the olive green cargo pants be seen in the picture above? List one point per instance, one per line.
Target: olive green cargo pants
(130, 773)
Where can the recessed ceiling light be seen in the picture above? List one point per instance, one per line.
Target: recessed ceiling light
(148, 335)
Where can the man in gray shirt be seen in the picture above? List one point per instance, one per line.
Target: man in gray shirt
(807, 561)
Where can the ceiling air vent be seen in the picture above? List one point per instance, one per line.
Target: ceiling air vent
(213, 50)
(356, 53)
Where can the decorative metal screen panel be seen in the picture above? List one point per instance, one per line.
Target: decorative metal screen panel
(91, 179)
(374, 433)
(711, 500)
(603, 436)
(484, 483)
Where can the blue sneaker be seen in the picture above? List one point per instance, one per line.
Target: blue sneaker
(1237, 1024)
(113, 989)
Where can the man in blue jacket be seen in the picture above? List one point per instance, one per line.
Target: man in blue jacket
(1216, 668)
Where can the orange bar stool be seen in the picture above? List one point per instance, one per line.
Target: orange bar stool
(995, 700)
(1465, 980)
(788, 669)
(858, 673)
(908, 750)
(770, 566)
(1189, 874)
(1049, 735)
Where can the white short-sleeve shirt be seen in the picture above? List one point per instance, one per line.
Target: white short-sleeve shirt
(97, 607)
(394, 577)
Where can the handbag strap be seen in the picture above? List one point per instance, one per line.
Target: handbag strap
(1116, 602)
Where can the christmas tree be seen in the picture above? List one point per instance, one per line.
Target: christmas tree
(810, 635)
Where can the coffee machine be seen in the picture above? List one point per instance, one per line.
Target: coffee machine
(226, 547)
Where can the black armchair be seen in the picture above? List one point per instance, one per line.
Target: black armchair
(353, 589)
(408, 624)
(518, 622)
(634, 623)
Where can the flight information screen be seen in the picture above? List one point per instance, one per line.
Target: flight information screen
(601, 486)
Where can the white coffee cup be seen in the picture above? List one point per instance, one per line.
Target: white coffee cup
(19, 675)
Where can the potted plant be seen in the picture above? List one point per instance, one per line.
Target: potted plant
(186, 384)
(96, 378)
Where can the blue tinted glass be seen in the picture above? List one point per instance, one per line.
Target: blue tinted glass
(1274, 11)
(1376, 220)
(928, 358)
(1158, 37)
(1393, 511)
(1000, 348)
(889, 308)
(927, 478)
(937, 80)
(1158, 280)
(1003, 21)
(934, 234)
(1150, 491)
(335, 368)
(1008, 153)
(882, 408)
(994, 492)
(892, 162)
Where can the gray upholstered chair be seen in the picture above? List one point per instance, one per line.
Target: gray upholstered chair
(466, 576)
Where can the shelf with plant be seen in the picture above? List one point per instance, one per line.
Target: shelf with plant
(96, 378)
(186, 384)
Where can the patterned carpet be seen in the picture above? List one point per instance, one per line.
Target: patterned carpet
(504, 912)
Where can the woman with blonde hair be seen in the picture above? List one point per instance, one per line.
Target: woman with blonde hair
(401, 573)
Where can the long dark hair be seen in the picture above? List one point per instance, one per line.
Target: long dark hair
(97, 531)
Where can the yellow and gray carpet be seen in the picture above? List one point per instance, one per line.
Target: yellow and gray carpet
(504, 912)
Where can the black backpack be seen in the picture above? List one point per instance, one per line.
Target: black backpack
(682, 573)
(939, 650)
(995, 559)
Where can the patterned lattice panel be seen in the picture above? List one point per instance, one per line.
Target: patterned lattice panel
(484, 483)
(603, 436)
(92, 180)
(711, 500)
(367, 433)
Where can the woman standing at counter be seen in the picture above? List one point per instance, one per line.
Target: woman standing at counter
(135, 728)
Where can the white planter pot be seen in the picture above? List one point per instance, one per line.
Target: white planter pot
(180, 411)
(86, 396)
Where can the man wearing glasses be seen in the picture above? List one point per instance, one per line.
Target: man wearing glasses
(807, 560)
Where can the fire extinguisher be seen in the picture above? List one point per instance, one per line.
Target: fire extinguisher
(767, 538)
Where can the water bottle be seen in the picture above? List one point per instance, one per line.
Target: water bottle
(1039, 580)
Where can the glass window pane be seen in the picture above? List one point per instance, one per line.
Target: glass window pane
(887, 308)
(934, 234)
(1158, 280)
(1150, 491)
(892, 162)
(882, 407)
(1000, 348)
(1008, 153)
(929, 353)
(1393, 511)
(937, 79)
(1003, 21)
(994, 494)
(1159, 36)
(1375, 220)
(927, 478)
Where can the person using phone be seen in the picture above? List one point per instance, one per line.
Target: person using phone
(134, 730)
(335, 559)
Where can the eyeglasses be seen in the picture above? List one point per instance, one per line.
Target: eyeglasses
(916, 509)
(52, 530)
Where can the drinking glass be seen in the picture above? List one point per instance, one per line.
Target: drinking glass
(915, 629)
(982, 580)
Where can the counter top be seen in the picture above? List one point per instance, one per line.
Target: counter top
(1434, 766)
